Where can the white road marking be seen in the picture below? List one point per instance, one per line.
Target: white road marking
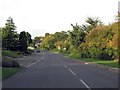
(22, 65)
(36, 61)
(72, 72)
(86, 63)
(65, 66)
(85, 84)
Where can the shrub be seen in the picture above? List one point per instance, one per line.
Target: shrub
(104, 56)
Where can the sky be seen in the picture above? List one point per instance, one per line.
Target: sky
(49, 16)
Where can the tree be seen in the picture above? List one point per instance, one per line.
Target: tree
(29, 40)
(77, 35)
(47, 34)
(60, 36)
(48, 42)
(8, 35)
(91, 23)
(101, 43)
(23, 41)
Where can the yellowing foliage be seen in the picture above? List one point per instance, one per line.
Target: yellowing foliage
(102, 40)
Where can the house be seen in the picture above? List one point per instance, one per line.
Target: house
(38, 42)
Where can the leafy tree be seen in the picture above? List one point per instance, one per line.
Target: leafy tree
(90, 40)
(48, 42)
(9, 35)
(29, 40)
(91, 23)
(37, 39)
(23, 41)
(60, 36)
(101, 42)
(47, 34)
(77, 35)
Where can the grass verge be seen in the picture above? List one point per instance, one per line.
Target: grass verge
(55, 51)
(13, 54)
(8, 72)
(111, 63)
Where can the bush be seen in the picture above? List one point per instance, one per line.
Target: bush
(104, 56)
(10, 64)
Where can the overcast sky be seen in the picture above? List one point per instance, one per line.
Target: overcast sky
(40, 16)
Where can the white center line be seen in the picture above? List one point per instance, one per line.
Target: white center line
(71, 71)
(36, 61)
(85, 84)
(22, 65)
(65, 66)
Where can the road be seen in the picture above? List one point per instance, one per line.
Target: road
(49, 70)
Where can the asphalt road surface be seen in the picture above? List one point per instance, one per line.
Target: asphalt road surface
(49, 70)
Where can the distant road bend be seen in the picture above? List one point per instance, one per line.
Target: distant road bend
(49, 70)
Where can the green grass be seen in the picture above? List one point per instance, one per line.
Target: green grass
(76, 56)
(111, 63)
(8, 72)
(13, 54)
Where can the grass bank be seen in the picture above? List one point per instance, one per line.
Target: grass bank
(8, 72)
